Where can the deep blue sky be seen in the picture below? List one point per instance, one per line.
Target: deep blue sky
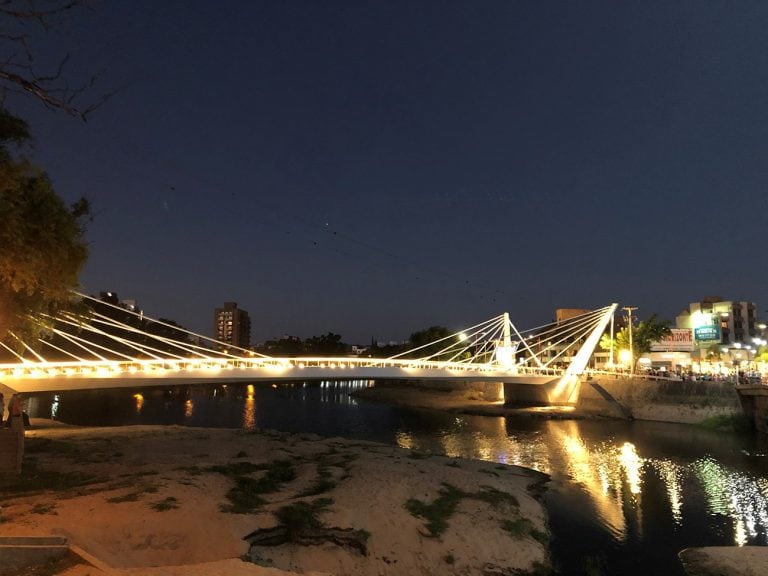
(373, 168)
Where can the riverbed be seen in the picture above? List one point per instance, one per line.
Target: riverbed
(625, 497)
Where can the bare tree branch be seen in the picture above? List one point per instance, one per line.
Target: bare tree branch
(18, 73)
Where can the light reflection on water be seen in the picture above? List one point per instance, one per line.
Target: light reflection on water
(619, 491)
(736, 496)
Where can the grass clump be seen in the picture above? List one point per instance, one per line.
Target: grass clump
(245, 496)
(324, 482)
(298, 518)
(278, 473)
(442, 508)
(130, 497)
(169, 503)
(43, 508)
(321, 486)
(33, 479)
(495, 497)
(301, 517)
(522, 528)
(439, 511)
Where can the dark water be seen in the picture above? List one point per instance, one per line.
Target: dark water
(624, 498)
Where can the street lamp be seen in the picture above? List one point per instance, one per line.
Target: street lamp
(629, 310)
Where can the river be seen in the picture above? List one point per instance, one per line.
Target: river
(624, 497)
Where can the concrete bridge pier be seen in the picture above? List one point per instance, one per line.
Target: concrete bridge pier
(525, 394)
(754, 401)
(542, 391)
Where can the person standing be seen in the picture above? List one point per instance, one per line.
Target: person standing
(2, 409)
(15, 413)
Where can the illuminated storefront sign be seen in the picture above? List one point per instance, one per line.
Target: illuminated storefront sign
(706, 327)
(679, 340)
(707, 333)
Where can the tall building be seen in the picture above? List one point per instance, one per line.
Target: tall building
(232, 325)
(715, 321)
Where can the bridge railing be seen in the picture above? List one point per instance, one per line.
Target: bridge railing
(158, 367)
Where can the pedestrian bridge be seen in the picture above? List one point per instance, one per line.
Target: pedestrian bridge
(98, 351)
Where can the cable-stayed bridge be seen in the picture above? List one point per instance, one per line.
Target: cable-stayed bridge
(110, 346)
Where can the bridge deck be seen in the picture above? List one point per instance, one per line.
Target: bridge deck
(71, 376)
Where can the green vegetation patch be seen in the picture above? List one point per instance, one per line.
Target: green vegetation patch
(169, 503)
(522, 528)
(495, 497)
(320, 486)
(245, 496)
(44, 509)
(439, 511)
(130, 497)
(94, 451)
(33, 479)
(443, 507)
(301, 517)
(738, 423)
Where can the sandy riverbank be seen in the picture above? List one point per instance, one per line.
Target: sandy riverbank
(150, 496)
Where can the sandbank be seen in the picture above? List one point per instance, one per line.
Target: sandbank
(158, 501)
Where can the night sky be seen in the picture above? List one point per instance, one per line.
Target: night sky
(374, 168)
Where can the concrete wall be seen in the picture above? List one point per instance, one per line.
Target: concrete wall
(661, 400)
(754, 401)
(21, 554)
(11, 451)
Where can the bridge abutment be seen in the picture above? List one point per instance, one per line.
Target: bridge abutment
(488, 391)
(754, 401)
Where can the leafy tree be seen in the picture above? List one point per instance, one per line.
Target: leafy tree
(385, 350)
(42, 245)
(287, 346)
(643, 335)
(425, 338)
(649, 331)
(326, 345)
(42, 239)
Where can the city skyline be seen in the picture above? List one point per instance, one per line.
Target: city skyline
(372, 168)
